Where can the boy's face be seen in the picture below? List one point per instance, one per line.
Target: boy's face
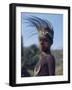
(44, 43)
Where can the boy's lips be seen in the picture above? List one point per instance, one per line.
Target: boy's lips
(42, 46)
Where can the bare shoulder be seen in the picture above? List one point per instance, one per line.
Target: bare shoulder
(50, 58)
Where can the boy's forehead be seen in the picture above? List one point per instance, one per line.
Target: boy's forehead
(42, 33)
(43, 37)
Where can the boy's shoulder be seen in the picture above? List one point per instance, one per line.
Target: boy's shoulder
(45, 58)
(50, 58)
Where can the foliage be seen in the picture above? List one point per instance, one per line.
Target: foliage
(30, 57)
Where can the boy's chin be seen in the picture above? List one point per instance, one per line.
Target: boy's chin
(43, 49)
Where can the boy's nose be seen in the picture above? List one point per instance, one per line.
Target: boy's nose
(41, 42)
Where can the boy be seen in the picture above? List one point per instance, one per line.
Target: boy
(46, 64)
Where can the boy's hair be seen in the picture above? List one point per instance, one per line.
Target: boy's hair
(44, 27)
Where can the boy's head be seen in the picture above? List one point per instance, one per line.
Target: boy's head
(45, 31)
(46, 38)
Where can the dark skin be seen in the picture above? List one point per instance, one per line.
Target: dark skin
(46, 64)
(44, 45)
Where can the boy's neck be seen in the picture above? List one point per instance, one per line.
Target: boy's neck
(47, 51)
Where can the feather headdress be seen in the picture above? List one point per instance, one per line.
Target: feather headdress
(44, 27)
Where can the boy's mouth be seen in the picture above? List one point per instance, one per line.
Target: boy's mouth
(43, 47)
